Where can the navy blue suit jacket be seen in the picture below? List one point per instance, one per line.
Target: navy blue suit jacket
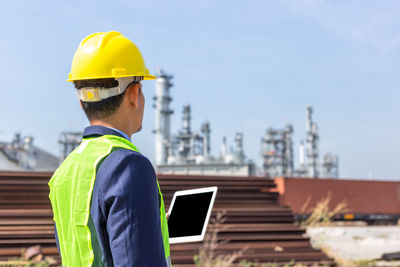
(125, 209)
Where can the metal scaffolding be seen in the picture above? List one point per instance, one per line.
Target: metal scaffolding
(277, 152)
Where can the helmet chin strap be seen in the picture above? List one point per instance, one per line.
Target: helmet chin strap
(96, 94)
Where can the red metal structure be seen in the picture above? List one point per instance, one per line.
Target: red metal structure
(372, 201)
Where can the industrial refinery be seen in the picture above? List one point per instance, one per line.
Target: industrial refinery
(22, 155)
(278, 157)
(188, 151)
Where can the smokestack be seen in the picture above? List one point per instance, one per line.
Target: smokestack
(301, 153)
(186, 118)
(205, 129)
(162, 117)
(223, 147)
(239, 154)
(312, 144)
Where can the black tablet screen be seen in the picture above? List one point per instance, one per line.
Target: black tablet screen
(188, 214)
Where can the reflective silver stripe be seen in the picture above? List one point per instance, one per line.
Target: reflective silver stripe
(168, 261)
(95, 94)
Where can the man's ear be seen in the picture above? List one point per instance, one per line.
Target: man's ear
(132, 93)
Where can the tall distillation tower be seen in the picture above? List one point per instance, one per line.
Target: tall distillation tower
(239, 152)
(162, 117)
(312, 144)
(205, 130)
(277, 152)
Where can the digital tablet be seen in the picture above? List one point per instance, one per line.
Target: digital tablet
(189, 213)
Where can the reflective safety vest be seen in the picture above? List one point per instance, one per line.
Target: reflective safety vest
(71, 189)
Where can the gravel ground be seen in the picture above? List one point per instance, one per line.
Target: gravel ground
(356, 243)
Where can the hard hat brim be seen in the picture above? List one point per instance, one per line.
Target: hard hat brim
(145, 77)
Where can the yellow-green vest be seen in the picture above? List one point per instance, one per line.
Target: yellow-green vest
(71, 189)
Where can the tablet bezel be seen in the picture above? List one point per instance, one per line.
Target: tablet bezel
(194, 238)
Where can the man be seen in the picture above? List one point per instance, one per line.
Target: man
(107, 205)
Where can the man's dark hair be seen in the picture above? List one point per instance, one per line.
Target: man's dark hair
(105, 107)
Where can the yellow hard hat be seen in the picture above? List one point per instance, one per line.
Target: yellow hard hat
(107, 55)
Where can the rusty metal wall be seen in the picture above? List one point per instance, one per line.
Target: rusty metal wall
(362, 196)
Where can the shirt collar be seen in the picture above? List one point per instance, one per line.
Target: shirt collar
(121, 132)
(102, 130)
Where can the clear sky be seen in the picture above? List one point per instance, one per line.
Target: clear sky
(242, 65)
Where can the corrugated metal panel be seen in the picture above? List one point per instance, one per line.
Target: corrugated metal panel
(361, 196)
